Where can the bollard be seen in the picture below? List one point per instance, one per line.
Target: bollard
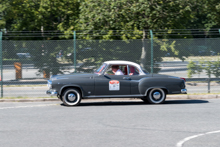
(46, 73)
(18, 70)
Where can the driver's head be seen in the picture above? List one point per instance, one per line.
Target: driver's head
(115, 68)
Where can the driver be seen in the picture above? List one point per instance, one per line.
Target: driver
(116, 70)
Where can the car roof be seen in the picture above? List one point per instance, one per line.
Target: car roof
(122, 62)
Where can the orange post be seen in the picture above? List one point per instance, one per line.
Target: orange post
(18, 70)
(46, 73)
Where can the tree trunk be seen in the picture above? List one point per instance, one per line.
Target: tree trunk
(144, 51)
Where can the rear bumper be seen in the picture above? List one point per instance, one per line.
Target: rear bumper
(52, 92)
(184, 91)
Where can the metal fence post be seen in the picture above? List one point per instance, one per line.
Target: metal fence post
(1, 64)
(74, 50)
(208, 84)
(152, 54)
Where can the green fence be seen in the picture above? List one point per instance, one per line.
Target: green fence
(39, 59)
(1, 76)
(67, 56)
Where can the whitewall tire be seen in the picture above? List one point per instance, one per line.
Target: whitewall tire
(156, 96)
(71, 97)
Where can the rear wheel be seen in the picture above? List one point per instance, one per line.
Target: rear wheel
(156, 96)
(71, 97)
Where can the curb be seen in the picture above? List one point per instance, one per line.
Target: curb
(30, 100)
(208, 96)
(169, 97)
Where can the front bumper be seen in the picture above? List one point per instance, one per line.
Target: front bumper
(52, 92)
(184, 91)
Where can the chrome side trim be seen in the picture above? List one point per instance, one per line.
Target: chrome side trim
(115, 96)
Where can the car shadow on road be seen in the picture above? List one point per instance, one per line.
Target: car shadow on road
(185, 101)
(127, 103)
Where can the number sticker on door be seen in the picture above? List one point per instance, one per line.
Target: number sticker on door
(114, 85)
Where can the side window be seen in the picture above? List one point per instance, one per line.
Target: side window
(109, 71)
(116, 70)
(133, 70)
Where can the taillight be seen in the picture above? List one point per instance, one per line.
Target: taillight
(183, 79)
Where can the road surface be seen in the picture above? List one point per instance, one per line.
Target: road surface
(177, 123)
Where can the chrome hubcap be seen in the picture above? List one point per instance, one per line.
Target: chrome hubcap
(71, 97)
(156, 95)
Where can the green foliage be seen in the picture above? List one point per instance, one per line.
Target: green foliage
(97, 19)
(216, 68)
(107, 15)
(29, 15)
(209, 67)
(135, 15)
(191, 69)
(33, 15)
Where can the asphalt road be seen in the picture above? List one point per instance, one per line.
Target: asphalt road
(177, 123)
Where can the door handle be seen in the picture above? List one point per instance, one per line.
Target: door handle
(126, 78)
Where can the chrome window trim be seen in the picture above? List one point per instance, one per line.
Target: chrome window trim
(140, 73)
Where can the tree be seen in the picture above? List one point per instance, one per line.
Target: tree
(192, 67)
(139, 15)
(212, 11)
(3, 6)
(30, 15)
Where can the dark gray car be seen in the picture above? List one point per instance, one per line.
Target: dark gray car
(134, 82)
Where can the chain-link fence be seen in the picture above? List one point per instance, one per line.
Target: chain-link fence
(43, 58)
(34, 61)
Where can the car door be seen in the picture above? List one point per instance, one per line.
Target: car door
(112, 85)
(135, 77)
(135, 80)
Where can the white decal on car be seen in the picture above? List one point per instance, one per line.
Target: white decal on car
(114, 85)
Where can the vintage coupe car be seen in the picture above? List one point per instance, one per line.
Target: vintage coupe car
(134, 82)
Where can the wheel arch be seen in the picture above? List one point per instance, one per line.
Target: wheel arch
(149, 89)
(62, 89)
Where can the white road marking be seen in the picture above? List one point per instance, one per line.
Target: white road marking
(180, 143)
(27, 106)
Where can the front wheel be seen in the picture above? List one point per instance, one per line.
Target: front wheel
(156, 96)
(71, 97)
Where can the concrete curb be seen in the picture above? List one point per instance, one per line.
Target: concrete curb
(169, 97)
(30, 100)
(208, 96)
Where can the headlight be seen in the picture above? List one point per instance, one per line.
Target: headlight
(49, 84)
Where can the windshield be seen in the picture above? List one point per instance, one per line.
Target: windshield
(101, 68)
